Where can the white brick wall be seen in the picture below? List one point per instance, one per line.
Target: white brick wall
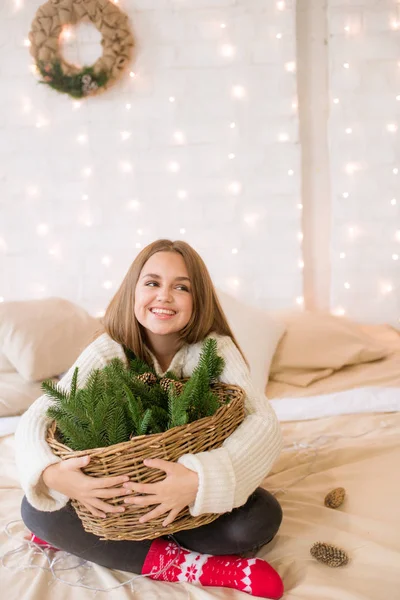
(365, 217)
(42, 174)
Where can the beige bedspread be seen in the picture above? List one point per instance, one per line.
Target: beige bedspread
(358, 452)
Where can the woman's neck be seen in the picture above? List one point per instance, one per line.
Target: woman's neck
(164, 347)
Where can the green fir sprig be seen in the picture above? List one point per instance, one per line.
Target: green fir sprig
(115, 405)
(81, 84)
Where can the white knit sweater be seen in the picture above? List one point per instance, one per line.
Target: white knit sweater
(227, 475)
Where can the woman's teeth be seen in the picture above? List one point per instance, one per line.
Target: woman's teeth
(161, 311)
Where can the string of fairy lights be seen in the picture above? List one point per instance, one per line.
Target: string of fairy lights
(85, 218)
(239, 93)
(352, 29)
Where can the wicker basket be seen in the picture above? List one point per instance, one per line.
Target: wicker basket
(127, 459)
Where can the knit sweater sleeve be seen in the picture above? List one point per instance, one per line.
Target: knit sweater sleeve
(229, 474)
(33, 454)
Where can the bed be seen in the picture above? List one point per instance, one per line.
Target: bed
(342, 430)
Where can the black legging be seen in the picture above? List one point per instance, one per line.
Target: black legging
(245, 528)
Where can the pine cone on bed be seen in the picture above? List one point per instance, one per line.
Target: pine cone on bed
(329, 555)
(335, 498)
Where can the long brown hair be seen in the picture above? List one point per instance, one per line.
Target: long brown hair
(207, 316)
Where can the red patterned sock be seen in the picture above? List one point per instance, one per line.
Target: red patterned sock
(251, 575)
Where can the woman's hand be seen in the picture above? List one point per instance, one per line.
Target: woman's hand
(67, 478)
(172, 494)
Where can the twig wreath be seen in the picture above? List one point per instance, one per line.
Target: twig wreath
(79, 82)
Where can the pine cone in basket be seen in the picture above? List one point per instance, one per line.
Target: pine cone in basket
(165, 382)
(329, 555)
(148, 378)
(335, 498)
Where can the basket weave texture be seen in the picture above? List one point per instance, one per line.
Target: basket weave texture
(127, 459)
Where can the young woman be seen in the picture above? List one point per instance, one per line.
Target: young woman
(164, 309)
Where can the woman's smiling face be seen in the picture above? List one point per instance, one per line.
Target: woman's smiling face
(163, 294)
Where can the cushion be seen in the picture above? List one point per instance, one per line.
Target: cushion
(319, 342)
(5, 365)
(256, 332)
(16, 394)
(43, 338)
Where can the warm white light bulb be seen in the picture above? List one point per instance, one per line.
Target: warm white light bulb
(300, 206)
(301, 264)
(76, 104)
(235, 250)
(339, 311)
(290, 66)
(126, 166)
(398, 235)
(227, 50)
(283, 137)
(349, 130)
(85, 197)
(391, 127)
(238, 91)
(345, 194)
(171, 99)
(395, 171)
(139, 231)
(290, 172)
(42, 229)
(278, 36)
(182, 230)
(133, 205)
(182, 194)
(132, 74)
(281, 5)
(1, 298)
(128, 106)
(398, 97)
(82, 138)
(223, 25)
(107, 284)
(346, 65)
(231, 156)
(336, 101)
(87, 171)
(300, 236)
(342, 255)
(138, 245)
(125, 135)
(347, 285)
(106, 261)
(174, 166)
(179, 137)
(393, 202)
(300, 300)
(27, 43)
(235, 187)
(232, 125)
(350, 168)
(395, 256)
(251, 219)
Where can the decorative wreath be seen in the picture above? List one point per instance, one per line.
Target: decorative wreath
(117, 42)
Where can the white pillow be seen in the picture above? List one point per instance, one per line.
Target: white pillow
(257, 333)
(43, 338)
(16, 394)
(5, 365)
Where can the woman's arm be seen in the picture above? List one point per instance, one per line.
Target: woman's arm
(33, 454)
(229, 474)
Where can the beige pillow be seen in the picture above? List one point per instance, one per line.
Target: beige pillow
(301, 377)
(5, 365)
(257, 333)
(43, 338)
(16, 394)
(322, 341)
